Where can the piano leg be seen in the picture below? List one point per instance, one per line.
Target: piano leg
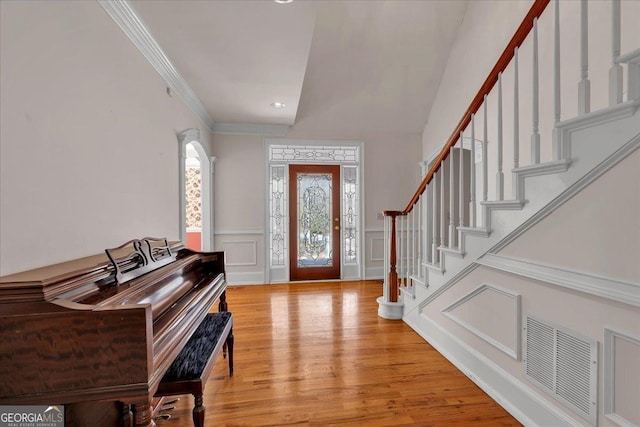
(144, 415)
(222, 305)
(126, 416)
(198, 410)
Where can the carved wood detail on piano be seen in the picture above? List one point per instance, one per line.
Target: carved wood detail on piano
(74, 334)
(145, 255)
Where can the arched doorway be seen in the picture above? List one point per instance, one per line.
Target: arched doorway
(195, 178)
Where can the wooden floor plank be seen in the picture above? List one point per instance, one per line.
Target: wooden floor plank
(318, 355)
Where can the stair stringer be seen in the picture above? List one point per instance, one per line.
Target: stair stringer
(588, 145)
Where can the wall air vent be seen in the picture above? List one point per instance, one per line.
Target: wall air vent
(564, 364)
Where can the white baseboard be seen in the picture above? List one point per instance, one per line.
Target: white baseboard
(520, 400)
(372, 273)
(246, 278)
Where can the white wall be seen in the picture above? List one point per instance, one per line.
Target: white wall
(89, 155)
(597, 231)
(239, 205)
(485, 31)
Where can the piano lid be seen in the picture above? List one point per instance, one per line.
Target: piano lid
(49, 282)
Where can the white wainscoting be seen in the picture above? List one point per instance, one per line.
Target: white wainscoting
(243, 249)
(617, 290)
(243, 254)
(496, 317)
(519, 399)
(374, 268)
(621, 378)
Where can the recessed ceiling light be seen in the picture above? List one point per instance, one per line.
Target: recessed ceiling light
(283, 1)
(278, 105)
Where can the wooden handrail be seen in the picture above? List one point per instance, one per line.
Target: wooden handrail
(518, 38)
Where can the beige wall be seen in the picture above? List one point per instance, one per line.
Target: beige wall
(239, 181)
(482, 36)
(391, 176)
(89, 155)
(596, 232)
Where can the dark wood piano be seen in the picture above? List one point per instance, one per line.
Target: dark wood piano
(97, 334)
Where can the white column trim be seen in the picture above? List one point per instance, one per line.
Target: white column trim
(206, 166)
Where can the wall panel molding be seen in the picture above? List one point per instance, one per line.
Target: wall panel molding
(610, 410)
(373, 256)
(238, 231)
(612, 289)
(512, 350)
(229, 252)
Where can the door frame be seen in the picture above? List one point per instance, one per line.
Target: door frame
(278, 155)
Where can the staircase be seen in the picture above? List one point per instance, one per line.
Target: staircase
(473, 202)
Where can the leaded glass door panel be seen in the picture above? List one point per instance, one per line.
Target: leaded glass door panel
(314, 206)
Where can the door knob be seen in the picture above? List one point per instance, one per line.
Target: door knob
(337, 227)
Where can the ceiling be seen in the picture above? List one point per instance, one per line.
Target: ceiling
(348, 65)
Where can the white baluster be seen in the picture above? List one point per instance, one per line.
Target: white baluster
(414, 244)
(584, 87)
(434, 218)
(412, 259)
(615, 73)
(403, 220)
(443, 215)
(410, 243)
(472, 176)
(556, 82)
(421, 235)
(535, 136)
(516, 112)
(499, 174)
(385, 257)
(485, 156)
(452, 202)
(461, 189)
(414, 240)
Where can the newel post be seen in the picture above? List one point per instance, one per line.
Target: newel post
(389, 306)
(393, 274)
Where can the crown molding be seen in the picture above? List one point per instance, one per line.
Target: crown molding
(125, 16)
(261, 129)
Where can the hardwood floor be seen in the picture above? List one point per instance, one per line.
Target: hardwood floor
(319, 355)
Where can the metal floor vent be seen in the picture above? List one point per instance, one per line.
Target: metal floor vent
(564, 364)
